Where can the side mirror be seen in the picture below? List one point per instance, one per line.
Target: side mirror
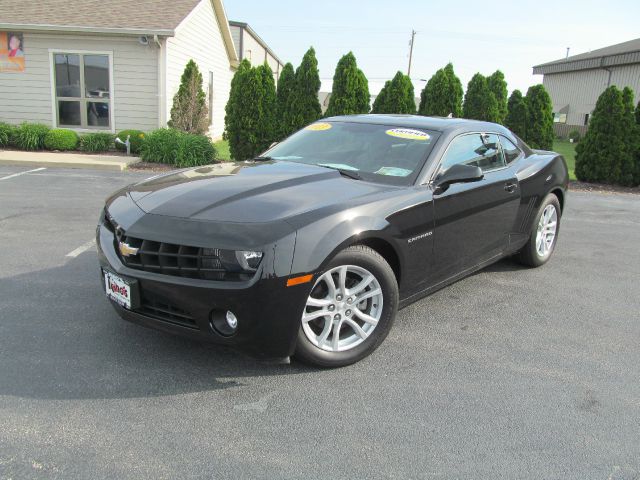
(458, 173)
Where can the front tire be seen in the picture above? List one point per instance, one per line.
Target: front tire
(544, 234)
(350, 309)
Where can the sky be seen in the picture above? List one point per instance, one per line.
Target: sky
(474, 36)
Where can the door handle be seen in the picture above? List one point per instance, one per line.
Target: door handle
(510, 187)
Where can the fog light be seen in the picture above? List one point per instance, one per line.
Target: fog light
(232, 321)
(224, 322)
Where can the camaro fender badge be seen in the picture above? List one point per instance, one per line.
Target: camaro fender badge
(127, 250)
(420, 237)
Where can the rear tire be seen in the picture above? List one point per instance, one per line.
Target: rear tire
(350, 309)
(544, 234)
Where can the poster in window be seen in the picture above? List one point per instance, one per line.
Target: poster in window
(11, 52)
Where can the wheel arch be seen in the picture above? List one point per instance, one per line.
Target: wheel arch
(560, 194)
(386, 251)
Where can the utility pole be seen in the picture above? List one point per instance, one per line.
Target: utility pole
(413, 35)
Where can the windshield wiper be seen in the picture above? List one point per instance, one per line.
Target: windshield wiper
(262, 159)
(343, 171)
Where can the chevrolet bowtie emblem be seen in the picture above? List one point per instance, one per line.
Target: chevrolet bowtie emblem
(127, 250)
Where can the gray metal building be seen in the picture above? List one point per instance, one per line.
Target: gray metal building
(576, 82)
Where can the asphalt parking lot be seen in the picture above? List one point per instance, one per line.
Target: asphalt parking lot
(511, 373)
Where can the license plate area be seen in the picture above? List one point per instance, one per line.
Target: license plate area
(123, 291)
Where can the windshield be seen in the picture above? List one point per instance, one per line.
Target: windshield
(381, 153)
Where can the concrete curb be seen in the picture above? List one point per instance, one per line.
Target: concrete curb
(66, 160)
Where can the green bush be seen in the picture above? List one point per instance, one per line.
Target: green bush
(7, 133)
(160, 146)
(194, 150)
(605, 155)
(30, 136)
(480, 102)
(539, 118)
(396, 96)
(136, 138)
(442, 95)
(350, 92)
(61, 139)
(96, 142)
(173, 147)
(575, 136)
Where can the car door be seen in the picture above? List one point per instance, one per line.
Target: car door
(473, 220)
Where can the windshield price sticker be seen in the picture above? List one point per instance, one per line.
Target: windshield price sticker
(318, 127)
(408, 133)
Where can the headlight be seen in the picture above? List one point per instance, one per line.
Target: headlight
(240, 260)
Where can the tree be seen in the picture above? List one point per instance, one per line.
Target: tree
(638, 113)
(632, 138)
(267, 126)
(381, 99)
(243, 112)
(498, 87)
(442, 95)
(189, 112)
(350, 92)
(397, 96)
(433, 101)
(455, 91)
(539, 118)
(286, 87)
(304, 107)
(603, 154)
(516, 119)
(479, 101)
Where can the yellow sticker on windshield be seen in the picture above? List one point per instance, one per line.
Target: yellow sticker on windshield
(408, 133)
(318, 127)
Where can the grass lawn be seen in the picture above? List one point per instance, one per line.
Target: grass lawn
(222, 146)
(568, 151)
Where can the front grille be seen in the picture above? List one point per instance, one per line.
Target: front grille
(172, 259)
(163, 310)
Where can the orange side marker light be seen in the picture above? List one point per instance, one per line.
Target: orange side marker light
(298, 280)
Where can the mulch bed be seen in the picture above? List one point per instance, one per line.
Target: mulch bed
(601, 188)
(150, 167)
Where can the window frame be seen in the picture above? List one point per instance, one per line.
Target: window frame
(437, 170)
(82, 99)
(515, 144)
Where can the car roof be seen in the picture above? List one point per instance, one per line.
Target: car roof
(439, 124)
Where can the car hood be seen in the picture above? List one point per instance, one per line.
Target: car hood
(251, 192)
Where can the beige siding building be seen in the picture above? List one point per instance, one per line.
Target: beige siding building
(576, 82)
(109, 71)
(250, 46)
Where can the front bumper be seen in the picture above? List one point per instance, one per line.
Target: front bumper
(268, 311)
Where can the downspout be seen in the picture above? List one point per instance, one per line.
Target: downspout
(162, 120)
(607, 69)
(241, 52)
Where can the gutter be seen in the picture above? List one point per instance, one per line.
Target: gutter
(79, 29)
(245, 26)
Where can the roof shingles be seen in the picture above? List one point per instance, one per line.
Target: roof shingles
(153, 15)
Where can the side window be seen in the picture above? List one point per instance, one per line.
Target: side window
(474, 149)
(511, 152)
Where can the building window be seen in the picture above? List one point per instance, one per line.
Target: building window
(82, 90)
(559, 118)
(586, 119)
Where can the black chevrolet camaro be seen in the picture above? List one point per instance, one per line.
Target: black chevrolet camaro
(311, 248)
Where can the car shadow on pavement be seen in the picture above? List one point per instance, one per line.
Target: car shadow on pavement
(61, 339)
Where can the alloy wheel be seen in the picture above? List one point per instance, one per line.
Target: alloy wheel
(546, 233)
(343, 308)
